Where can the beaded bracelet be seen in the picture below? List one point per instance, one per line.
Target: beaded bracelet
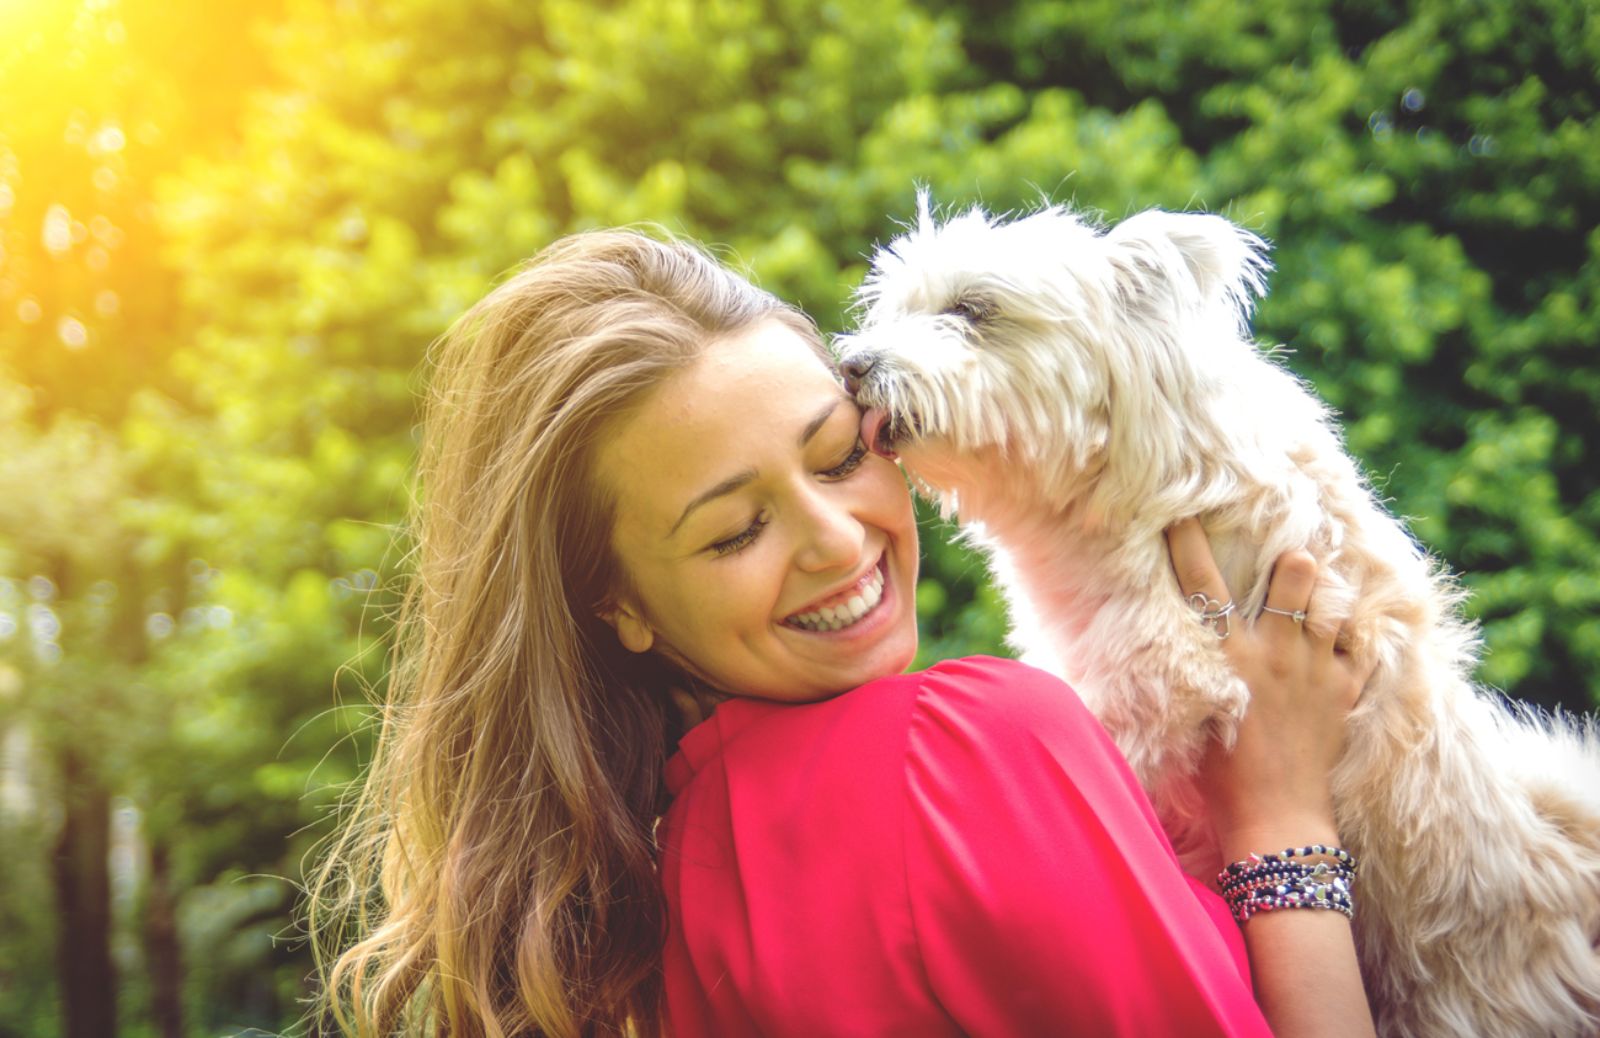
(1265, 883)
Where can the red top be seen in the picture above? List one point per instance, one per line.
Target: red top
(957, 851)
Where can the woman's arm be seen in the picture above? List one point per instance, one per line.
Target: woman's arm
(1272, 791)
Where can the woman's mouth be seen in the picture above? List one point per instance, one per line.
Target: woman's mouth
(848, 607)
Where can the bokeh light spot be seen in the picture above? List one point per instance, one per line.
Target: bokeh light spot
(110, 140)
(72, 333)
(57, 232)
(43, 623)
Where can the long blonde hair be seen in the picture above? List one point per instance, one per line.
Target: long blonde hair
(495, 873)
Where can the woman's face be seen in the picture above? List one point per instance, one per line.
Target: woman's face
(770, 553)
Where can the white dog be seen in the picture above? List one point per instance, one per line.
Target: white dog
(1069, 394)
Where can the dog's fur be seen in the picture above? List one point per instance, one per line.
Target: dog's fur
(1068, 394)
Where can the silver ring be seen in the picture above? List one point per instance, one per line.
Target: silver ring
(1297, 615)
(1213, 614)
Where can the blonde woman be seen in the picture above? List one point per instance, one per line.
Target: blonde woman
(649, 762)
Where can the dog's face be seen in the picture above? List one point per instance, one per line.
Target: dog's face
(1041, 339)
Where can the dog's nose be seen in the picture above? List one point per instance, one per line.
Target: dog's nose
(855, 369)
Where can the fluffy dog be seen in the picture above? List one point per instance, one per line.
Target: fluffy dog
(1068, 394)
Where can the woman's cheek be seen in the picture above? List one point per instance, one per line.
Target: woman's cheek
(890, 491)
(758, 582)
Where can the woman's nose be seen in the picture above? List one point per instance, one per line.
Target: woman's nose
(831, 537)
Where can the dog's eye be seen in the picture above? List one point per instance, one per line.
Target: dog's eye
(970, 309)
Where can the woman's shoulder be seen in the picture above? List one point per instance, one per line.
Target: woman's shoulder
(1004, 726)
(989, 674)
(973, 712)
(785, 854)
(987, 680)
(982, 691)
(979, 704)
(1000, 692)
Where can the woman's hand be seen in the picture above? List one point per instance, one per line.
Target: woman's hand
(1272, 790)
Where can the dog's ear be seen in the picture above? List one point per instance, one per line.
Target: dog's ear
(1201, 259)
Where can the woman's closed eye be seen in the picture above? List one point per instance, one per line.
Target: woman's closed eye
(743, 538)
(740, 539)
(851, 462)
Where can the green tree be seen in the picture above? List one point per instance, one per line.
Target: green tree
(95, 588)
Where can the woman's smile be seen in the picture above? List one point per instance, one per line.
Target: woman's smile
(847, 610)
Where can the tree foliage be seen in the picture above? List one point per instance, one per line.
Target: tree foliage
(223, 254)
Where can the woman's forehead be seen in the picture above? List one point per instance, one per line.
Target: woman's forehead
(754, 369)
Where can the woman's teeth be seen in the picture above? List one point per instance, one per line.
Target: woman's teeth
(861, 601)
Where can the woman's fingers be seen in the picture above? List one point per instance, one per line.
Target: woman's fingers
(1192, 562)
(1289, 590)
(1199, 578)
(1294, 575)
(1278, 630)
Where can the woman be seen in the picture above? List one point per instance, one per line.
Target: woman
(644, 494)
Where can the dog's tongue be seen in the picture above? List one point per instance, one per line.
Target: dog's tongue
(872, 429)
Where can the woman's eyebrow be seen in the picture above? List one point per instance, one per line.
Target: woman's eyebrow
(819, 421)
(739, 479)
(727, 486)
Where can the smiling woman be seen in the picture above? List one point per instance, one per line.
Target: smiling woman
(758, 585)
(497, 873)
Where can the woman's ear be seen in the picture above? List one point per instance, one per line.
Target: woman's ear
(632, 630)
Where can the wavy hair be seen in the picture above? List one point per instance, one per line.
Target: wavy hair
(494, 872)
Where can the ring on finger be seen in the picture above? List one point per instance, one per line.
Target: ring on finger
(1213, 614)
(1297, 615)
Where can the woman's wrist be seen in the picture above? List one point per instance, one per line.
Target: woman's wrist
(1237, 842)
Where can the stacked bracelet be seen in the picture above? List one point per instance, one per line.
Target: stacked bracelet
(1286, 879)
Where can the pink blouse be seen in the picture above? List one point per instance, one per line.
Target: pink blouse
(960, 851)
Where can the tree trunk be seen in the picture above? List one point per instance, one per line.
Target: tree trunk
(162, 948)
(88, 984)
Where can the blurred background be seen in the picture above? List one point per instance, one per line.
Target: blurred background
(228, 231)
